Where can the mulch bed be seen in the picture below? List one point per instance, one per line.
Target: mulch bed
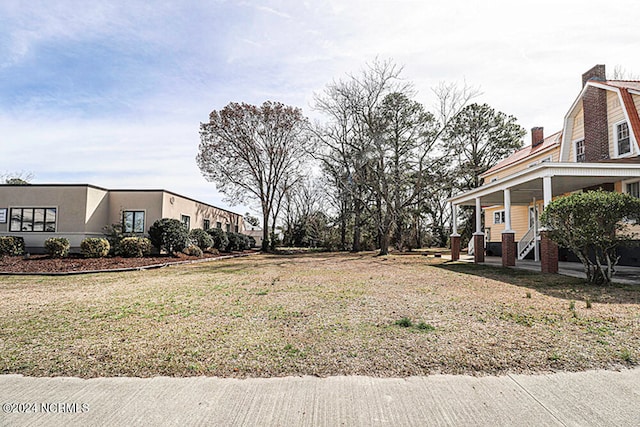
(75, 263)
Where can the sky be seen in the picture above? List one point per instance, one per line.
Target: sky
(112, 93)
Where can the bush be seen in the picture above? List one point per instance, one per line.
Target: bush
(95, 247)
(193, 250)
(593, 225)
(220, 239)
(134, 247)
(200, 238)
(237, 242)
(57, 247)
(113, 233)
(252, 241)
(11, 245)
(169, 234)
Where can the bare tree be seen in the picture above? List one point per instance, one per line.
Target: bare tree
(16, 178)
(620, 73)
(254, 153)
(347, 138)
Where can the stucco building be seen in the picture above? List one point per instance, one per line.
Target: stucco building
(76, 211)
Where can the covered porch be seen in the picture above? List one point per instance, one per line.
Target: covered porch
(543, 181)
(624, 274)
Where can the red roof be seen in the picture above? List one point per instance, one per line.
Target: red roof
(527, 151)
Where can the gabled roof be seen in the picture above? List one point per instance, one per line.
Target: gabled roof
(624, 88)
(526, 152)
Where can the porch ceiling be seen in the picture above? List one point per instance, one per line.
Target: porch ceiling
(565, 178)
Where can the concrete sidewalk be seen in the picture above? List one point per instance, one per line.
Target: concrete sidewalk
(624, 274)
(593, 398)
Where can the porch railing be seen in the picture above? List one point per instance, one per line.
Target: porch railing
(470, 248)
(527, 243)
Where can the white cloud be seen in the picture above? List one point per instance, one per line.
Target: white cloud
(169, 64)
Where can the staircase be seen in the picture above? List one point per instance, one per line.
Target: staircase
(527, 243)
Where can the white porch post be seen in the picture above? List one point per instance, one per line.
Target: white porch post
(454, 219)
(507, 210)
(478, 216)
(546, 190)
(536, 248)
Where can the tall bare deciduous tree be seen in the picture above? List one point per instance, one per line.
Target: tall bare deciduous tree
(380, 146)
(254, 154)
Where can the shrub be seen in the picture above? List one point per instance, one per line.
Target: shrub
(593, 225)
(11, 245)
(220, 240)
(169, 234)
(237, 242)
(95, 247)
(252, 241)
(113, 233)
(193, 250)
(57, 247)
(134, 247)
(200, 238)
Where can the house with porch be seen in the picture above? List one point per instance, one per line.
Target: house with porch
(36, 212)
(597, 148)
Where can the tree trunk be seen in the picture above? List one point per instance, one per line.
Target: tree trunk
(384, 241)
(356, 227)
(265, 232)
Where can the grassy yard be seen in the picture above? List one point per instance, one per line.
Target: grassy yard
(314, 314)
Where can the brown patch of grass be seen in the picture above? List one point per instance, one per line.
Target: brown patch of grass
(314, 314)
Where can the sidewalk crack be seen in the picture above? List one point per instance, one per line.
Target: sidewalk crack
(536, 399)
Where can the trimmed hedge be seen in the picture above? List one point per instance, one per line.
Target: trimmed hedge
(169, 234)
(237, 242)
(11, 245)
(193, 250)
(134, 247)
(57, 247)
(220, 240)
(200, 238)
(95, 247)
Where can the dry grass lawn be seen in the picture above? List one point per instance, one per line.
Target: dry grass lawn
(314, 314)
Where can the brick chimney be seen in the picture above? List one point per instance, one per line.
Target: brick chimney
(596, 126)
(537, 136)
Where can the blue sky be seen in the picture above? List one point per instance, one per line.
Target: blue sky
(112, 92)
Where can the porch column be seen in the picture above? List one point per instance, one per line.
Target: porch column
(508, 235)
(478, 236)
(548, 248)
(536, 248)
(455, 237)
(546, 190)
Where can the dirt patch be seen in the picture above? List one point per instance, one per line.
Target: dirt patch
(77, 263)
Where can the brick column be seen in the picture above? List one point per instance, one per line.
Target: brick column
(455, 247)
(508, 249)
(548, 254)
(478, 247)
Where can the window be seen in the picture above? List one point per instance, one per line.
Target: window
(623, 142)
(186, 220)
(133, 221)
(218, 224)
(33, 219)
(633, 189)
(236, 228)
(580, 156)
(206, 224)
(228, 228)
(498, 217)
